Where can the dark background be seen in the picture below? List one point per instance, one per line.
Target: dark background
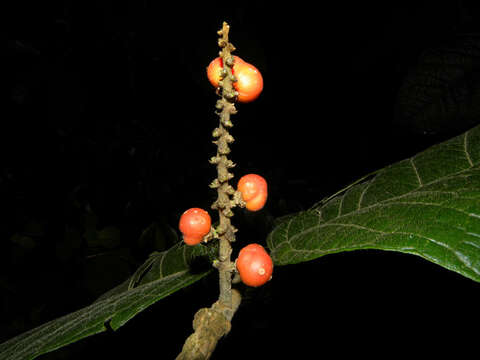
(107, 126)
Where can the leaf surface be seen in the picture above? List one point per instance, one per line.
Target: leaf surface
(161, 275)
(427, 205)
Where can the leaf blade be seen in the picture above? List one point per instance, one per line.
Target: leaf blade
(116, 307)
(427, 205)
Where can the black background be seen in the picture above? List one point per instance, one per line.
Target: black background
(107, 107)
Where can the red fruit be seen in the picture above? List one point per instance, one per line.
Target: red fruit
(254, 265)
(254, 191)
(194, 224)
(249, 82)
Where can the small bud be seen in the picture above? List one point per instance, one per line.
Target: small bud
(230, 235)
(230, 190)
(230, 95)
(221, 230)
(214, 184)
(227, 212)
(232, 109)
(222, 203)
(230, 61)
(211, 235)
(223, 148)
(214, 160)
(227, 123)
(238, 200)
(223, 73)
(224, 175)
(229, 138)
(216, 132)
(219, 105)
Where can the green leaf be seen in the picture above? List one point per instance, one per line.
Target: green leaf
(165, 273)
(427, 205)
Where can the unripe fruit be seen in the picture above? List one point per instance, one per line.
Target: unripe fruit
(254, 191)
(249, 82)
(194, 224)
(254, 265)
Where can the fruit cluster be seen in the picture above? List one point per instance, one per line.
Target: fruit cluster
(253, 264)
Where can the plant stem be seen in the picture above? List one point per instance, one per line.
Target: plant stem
(224, 190)
(210, 324)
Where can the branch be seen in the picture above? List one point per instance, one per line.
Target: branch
(225, 230)
(210, 324)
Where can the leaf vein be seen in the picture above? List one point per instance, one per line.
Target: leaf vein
(415, 191)
(465, 148)
(340, 205)
(360, 199)
(416, 171)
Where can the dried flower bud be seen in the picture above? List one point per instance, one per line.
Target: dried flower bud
(214, 184)
(214, 160)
